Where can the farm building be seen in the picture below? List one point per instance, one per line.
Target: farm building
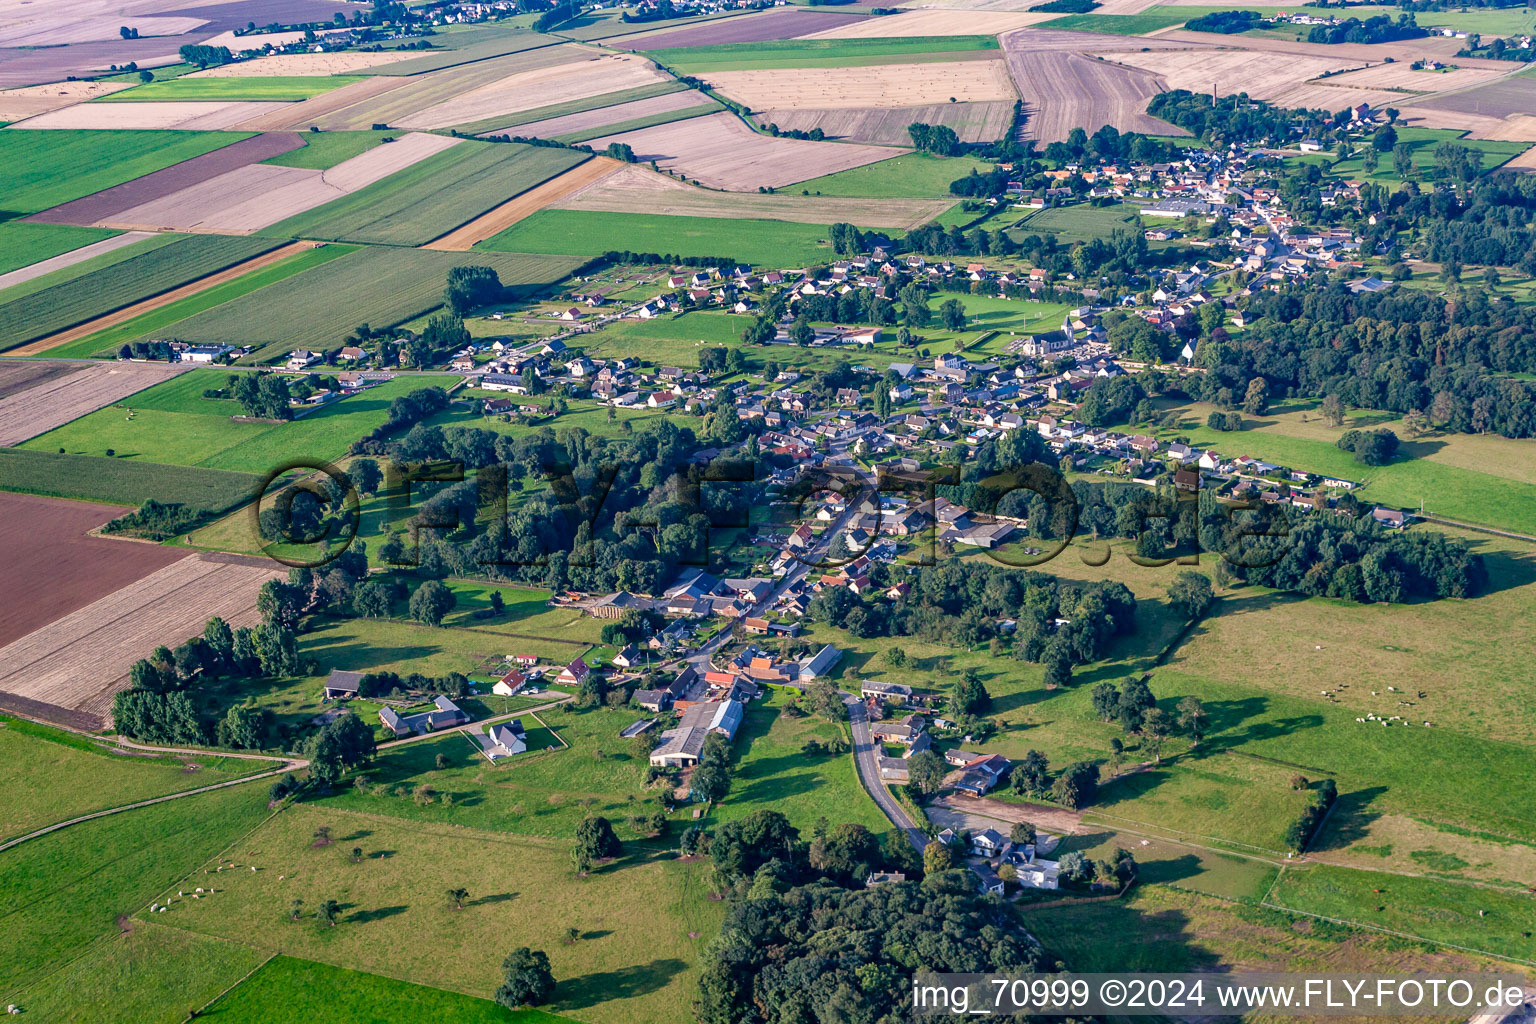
(445, 715)
(682, 746)
(342, 685)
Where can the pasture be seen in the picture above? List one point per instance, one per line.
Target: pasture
(1078, 223)
(719, 151)
(289, 986)
(149, 974)
(122, 481)
(432, 196)
(395, 917)
(584, 234)
(100, 292)
(913, 176)
(264, 87)
(67, 890)
(42, 170)
(53, 775)
(378, 285)
(49, 539)
(822, 53)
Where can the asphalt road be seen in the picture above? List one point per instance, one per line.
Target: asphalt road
(865, 753)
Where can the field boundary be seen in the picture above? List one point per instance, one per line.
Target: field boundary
(524, 205)
(125, 313)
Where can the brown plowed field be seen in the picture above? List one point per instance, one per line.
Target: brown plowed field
(721, 152)
(78, 661)
(101, 323)
(1064, 90)
(105, 204)
(37, 404)
(303, 64)
(1501, 99)
(493, 222)
(47, 544)
(636, 188)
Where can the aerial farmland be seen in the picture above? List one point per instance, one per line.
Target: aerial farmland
(710, 511)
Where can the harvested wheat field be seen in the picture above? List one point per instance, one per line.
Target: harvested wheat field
(1516, 128)
(588, 120)
(881, 85)
(1366, 53)
(1325, 97)
(887, 126)
(1063, 91)
(910, 24)
(1398, 75)
(52, 400)
(636, 188)
(127, 313)
(257, 195)
(150, 116)
(719, 151)
(47, 539)
(78, 661)
(57, 31)
(316, 109)
(1034, 40)
(493, 222)
(284, 64)
(1260, 75)
(31, 100)
(538, 88)
(1524, 162)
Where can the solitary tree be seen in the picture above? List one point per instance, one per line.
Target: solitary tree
(528, 980)
(431, 602)
(295, 909)
(329, 911)
(457, 897)
(936, 857)
(1192, 717)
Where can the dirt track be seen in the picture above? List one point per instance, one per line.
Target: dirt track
(493, 222)
(202, 284)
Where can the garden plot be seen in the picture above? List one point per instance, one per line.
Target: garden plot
(526, 90)
(881, 85)
(635, 188)
(31, 100)
(587, 120)
(887, 126)
(58, 400)
(153, 116)
(257, 195)
(284, 64)
(911, 24)
(1260, 75)
(78, 662)
(1064, 90)
(721, 152)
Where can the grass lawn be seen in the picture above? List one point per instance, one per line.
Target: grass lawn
(108, 341)
(1079, 223)
(525, 615)
(1472, 917)
(43, 169)
(172, 423)
(22, 244)
(64, 891)
(1481, 479)
(275, 88)
(913, 176)
(1358, 838)
(53, 775)
(1421, 142)
(643, 920)
(147, 975)
(588, 233)
(289, 988)
(1504, 21)
(323, 150)
(1169, 863)
(813, 53)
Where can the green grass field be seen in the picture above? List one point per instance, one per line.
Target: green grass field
(123, 481)
(643, 920)
(53, 775)
(39, 169)
(156, 321)
(1473, 918)
(147, 975)
(275, 88)
(78, 270)
(64, 891)
(22, 244)
(433, 196)
(379, 285)
(1127, 24)
(815, 53)
(173, 424)
(323, 150)
(1421, 142)
(587, 233)
(77, 301)
(914, 176)
(1078, 223)
(304, 989)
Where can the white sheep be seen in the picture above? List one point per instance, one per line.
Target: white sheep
(1359, 719)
